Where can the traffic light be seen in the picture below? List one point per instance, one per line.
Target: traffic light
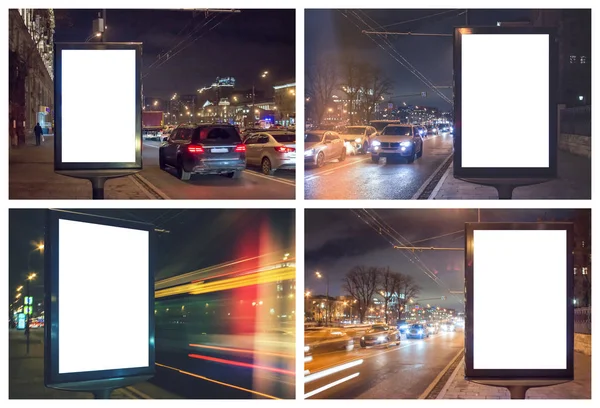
(27, 310)
(28, 300)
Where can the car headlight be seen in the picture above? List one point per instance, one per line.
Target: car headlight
(362, 338)
(306, 349)
(375, 143)
(420, 332)
(381, 338)
(358, 140)
(347, 144)
(309, 152)
(405, 144)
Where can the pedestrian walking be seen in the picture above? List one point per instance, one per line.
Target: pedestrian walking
(38, 133)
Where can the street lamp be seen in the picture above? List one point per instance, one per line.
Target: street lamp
(264, 75)
(31, 277)
(319, 276)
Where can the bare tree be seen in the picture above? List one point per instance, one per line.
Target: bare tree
(376, 87)
(361, 283)
(321, 82)
(388, 283)
(406, 288)
(354, 74)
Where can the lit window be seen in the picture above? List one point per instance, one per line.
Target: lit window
(582, 60)
(584, 270)
(574, 271)
(573, 59)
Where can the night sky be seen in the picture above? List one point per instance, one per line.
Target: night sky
(196, 238)
(331, 35)
(347, 241)
(243, 45)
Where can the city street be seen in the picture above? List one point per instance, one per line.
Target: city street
(358, 178)
(396, 372)
(31, 176)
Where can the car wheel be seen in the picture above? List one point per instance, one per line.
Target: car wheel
(375, 159)
(266, 167)
(363, 344)
(411, 159)
(420, 152)
(365, 148)
(181, 173)
(342, 156)
(235, 175)
(320, 159)
(161, 160)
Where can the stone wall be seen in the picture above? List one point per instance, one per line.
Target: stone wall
(583, 343)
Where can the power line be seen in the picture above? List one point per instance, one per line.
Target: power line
(406, 33)
(420, 18)
(438, 236)
(413, 70)
(413, 248)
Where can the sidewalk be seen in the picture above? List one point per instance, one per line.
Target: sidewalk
(579, 388)
(26, 374)
(31, 176)
(574, 182)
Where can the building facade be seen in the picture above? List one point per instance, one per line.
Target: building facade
(31, 76)
(285, 103)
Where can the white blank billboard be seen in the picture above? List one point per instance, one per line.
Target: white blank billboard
(505, 100)
(98, 106)
(519, 295)
(103, 300)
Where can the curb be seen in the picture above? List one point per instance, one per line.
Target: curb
(438, 187)
(425, 394)
(450, 380)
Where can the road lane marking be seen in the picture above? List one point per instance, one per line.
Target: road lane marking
(309, 178)
(238, 350)
(338, 167)
(437, 379)
(426, 183)
(217, 382)
(277, 179)
(330, 385)
(333, 370)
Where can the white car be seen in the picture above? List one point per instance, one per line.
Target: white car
(357, 139)
(396, 141)
(271, 150)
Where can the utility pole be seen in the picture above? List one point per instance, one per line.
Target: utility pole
(466, 17)
(103, 36)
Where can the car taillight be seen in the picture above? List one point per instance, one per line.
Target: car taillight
(195, 149)
(240, 148)
(283, 149)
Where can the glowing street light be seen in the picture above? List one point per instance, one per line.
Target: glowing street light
(20, 288)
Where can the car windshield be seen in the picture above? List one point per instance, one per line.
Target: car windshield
(416, 326)
(380, 125)
(354, 130)
(287, 138)
(221, 134)
(378, 328)
(312, 137)
(397, 131)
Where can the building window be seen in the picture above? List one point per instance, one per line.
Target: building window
(574, 271)
(584, 270)
(573, 59)
(582, 60)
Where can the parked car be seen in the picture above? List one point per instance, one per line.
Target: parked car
(432, 130)
(396, 141)
(204, 149)
(323, 146)
(326, 340)
(271, 150)
(418, 331)
(380, 334)
(357, 139)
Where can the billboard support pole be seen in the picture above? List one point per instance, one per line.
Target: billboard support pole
(103, 393)
(97, 178)
(504, 187)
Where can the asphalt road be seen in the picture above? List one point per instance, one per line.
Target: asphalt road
(358, 178)
(252, 185)
(397, 372)
(225, 366)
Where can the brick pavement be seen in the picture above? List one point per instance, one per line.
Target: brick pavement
(580, 388)
(32, 176)
(573, 182)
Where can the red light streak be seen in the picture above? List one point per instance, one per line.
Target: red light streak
(240, 364)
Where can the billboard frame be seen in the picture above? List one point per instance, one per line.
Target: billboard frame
(507, 172)
(59, 165)
(89, 380)
(472, 374)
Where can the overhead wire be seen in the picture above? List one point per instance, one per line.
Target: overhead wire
(418, 18)
(406, 64)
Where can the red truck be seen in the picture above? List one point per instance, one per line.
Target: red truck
(152, 124)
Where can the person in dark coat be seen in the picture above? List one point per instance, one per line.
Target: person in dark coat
(38, 133)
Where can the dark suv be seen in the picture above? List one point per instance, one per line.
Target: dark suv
(204, 149)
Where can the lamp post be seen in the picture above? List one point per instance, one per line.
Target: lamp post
(30, 309)
(327, 313)
(263, 75)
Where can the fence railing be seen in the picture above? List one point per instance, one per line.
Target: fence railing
(576, 121)
(583, 320)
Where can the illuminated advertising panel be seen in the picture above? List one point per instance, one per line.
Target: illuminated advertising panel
(98, 106)
(504, 102)
(519, 319)
(101, 292)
